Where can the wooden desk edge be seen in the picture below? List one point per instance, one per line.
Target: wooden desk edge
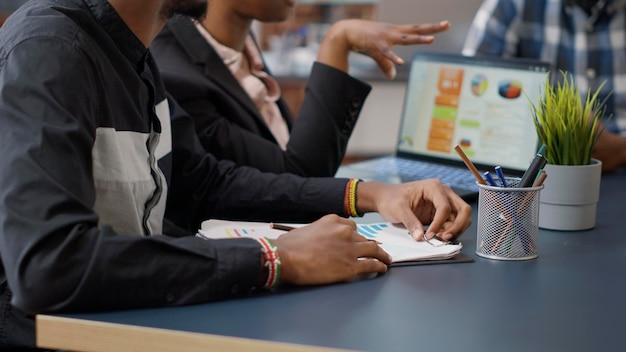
(94, 336)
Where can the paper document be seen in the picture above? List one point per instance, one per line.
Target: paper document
(394, 239)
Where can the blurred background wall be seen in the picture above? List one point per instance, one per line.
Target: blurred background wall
(460, 13)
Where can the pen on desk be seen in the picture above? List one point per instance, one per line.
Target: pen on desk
(531, 173)
(469, 165)
(501, 176)
(276, 226)
(489, 179)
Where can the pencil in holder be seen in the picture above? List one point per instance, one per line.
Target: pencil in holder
(508, 221)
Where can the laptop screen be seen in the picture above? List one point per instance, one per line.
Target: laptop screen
(479, 103)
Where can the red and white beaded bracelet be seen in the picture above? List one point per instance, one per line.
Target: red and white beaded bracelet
(271, 260)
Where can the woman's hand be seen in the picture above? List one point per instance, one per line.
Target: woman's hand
(374, 39)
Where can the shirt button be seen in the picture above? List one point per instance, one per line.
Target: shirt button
(356, 102)
(590, 73)
(234, 289)
(589, 27)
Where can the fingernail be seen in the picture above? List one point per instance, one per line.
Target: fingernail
(430, 235)
(443, 23)
(392, 72)
(417, 234)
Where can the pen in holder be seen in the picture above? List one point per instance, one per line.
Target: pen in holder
(508, 221)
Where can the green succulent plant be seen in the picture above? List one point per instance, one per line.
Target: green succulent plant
(567, 125)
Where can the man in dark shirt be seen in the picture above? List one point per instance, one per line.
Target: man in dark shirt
(98, 168)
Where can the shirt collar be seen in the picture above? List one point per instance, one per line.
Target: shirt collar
(227, 54)
(119, 32)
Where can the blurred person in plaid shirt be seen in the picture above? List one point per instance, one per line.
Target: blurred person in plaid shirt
(586, 38)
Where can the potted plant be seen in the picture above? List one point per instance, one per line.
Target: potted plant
(568, 124)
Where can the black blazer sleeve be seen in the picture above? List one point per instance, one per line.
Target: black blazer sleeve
(202, 187)
(228, 124)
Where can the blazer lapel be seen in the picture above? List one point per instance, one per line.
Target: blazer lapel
(282, 105)
(213, 68)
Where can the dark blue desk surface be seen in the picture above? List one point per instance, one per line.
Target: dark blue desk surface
(571, 298)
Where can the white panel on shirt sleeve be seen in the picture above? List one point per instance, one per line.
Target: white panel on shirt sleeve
(123, 179)
(165, 139)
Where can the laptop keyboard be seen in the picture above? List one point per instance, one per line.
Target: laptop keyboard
(410, 170)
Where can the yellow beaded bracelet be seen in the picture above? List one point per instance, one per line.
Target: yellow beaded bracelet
(350, 198)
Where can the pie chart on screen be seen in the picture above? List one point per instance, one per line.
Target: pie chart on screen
(510, 89)
(479, 84)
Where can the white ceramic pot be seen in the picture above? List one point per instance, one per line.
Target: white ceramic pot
(570, 196)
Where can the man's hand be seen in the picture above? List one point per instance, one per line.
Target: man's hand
(328, 251)
(374, 39)
(415, 204)
(611, 150)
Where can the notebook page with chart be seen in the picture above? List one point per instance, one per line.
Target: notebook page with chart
(394, 239)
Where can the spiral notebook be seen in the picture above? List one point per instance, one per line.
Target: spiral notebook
(393, 238)
(479, 103)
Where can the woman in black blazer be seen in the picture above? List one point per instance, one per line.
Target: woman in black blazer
(229, 123)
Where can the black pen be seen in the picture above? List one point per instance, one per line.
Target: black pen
(531, 173)
(281, 227)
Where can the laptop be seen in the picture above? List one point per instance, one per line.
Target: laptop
(479, 103)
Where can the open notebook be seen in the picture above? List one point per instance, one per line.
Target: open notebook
(394, 239)
(479, 103)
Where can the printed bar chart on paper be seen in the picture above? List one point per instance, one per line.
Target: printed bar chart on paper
(237, 229)
(371, 231)
(233, 232)
(394, 239)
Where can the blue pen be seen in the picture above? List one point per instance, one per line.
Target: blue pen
(501, 176)
(489, 179)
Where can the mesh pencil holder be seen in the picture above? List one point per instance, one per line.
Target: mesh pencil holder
(508, 221)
